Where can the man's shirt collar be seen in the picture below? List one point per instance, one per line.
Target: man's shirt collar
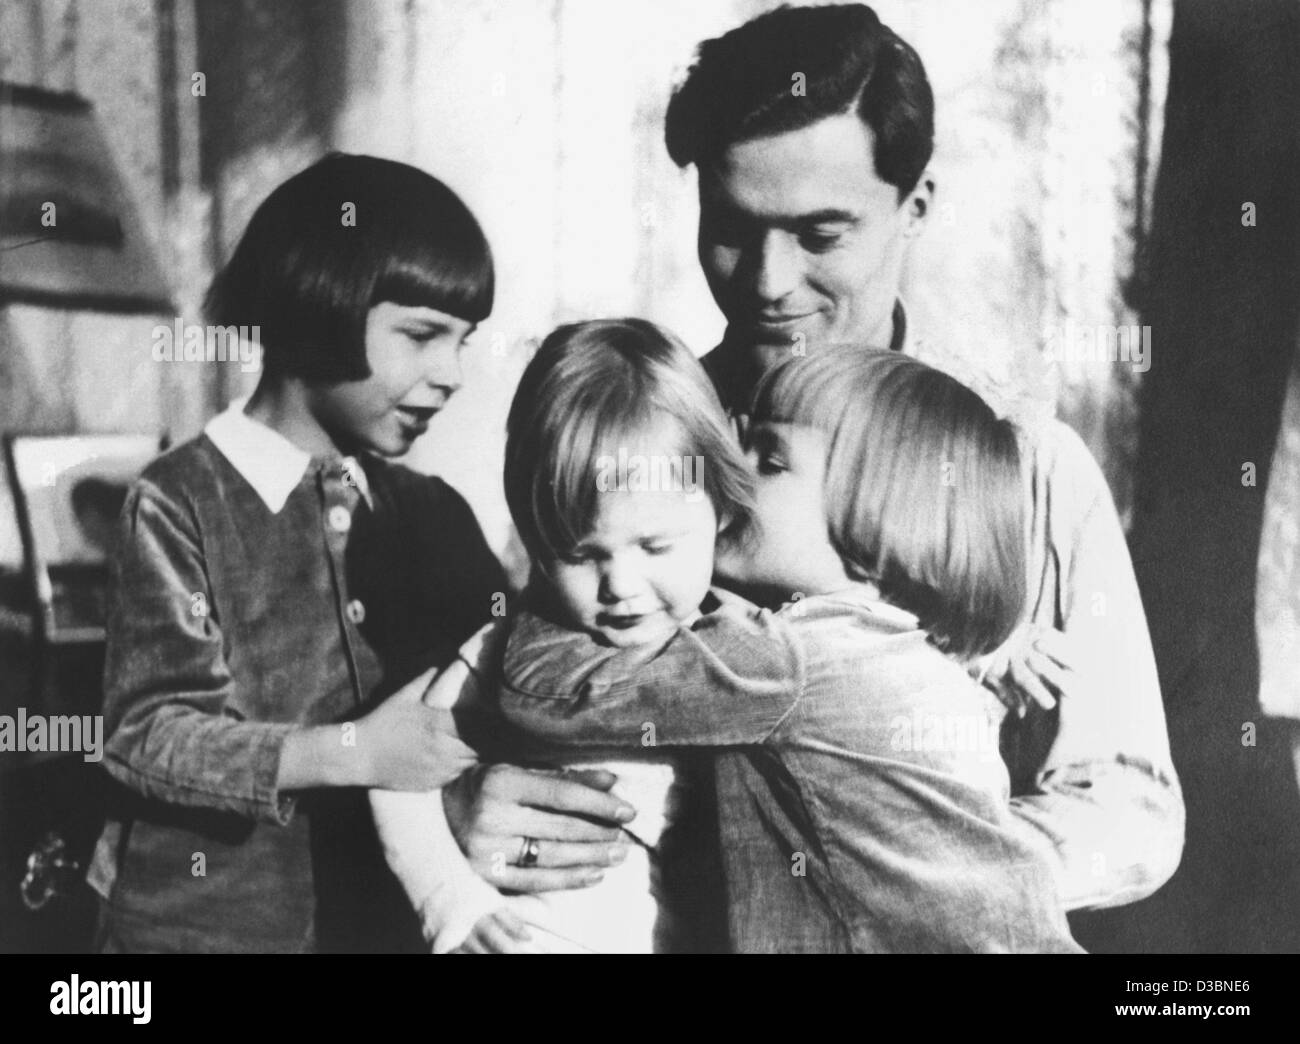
(267, 461)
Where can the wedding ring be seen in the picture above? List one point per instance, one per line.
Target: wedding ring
(529, 849)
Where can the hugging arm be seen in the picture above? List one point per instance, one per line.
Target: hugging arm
(550, 670)
(919, 831)
(728, 680)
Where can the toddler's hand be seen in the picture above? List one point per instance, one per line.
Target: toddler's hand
(498, 932)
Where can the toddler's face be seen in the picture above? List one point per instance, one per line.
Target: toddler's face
(413, 354)
(644, 567)
(788, 547)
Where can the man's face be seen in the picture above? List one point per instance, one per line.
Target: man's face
(800, 236)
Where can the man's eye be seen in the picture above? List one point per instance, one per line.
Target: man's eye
(657, 547)
(820, 242)
(771, 463)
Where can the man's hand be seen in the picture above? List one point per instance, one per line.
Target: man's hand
(492, 809)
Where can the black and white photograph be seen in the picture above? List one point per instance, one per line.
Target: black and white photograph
(703, 477)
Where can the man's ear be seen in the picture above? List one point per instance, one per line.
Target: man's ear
(919, 203)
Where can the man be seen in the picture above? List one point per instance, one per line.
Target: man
(812, 131)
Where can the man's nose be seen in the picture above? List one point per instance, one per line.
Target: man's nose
(778, 268)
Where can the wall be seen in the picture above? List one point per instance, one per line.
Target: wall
(546, 115)
(86, 371)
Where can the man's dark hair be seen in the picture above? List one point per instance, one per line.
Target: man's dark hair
(743, 86)
(309, 280)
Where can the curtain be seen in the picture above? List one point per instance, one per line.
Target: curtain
(1277, 589)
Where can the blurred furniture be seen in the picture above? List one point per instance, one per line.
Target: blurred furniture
(68, 491)
(62, 498)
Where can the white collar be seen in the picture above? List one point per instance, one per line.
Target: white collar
(268, 462)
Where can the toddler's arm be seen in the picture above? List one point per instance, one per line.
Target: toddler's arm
(447, 894)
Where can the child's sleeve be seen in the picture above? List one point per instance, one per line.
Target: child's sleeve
(167, 683)
(728, 679)
(448, 896)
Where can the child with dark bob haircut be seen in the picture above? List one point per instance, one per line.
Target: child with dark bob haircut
(329, 244)
(277, 580)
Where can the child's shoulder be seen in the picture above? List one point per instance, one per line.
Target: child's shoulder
(178, 488)
(855, 625)
(882, 651)
(181, 470)
(857, 609)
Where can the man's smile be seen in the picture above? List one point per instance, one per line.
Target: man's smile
(782, 319)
